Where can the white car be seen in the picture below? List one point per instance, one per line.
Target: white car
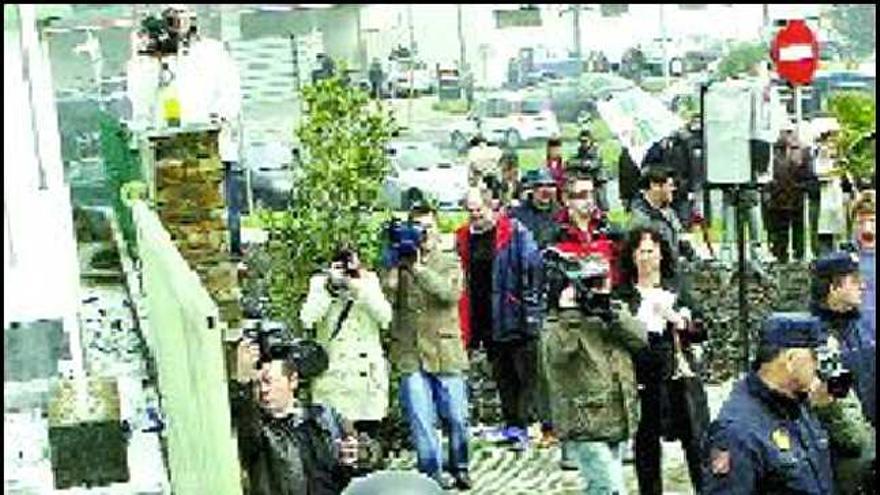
(419, 169)
(509, 118)
(403, 81)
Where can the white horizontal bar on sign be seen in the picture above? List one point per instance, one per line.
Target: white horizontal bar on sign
(794, 53)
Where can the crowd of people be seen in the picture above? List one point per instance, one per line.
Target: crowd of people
(590, 333)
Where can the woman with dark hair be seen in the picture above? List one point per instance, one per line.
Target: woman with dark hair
(667, 370)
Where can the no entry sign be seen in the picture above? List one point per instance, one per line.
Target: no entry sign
(795, 52)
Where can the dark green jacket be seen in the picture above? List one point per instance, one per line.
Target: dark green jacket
(591, 374)
(425, 332)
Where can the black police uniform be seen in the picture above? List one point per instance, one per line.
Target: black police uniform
(763, 441)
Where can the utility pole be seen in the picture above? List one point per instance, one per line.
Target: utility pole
(576, 21)
(663, 46)
(462, 57)
(412, 59)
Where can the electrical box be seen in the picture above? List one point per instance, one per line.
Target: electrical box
(739, 129)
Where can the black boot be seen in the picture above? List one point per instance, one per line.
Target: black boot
(463, 481)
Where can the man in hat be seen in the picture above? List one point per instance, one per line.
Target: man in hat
(836, 297)
(765, 438)
(539, 210)
(286, 448)
(837, 290)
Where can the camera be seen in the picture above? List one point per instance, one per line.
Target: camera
(586, 275)
(832, 372)
(344, 266)
(275, 342)
(163, 34)
(403, 240)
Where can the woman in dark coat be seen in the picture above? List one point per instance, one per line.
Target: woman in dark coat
(673, 400)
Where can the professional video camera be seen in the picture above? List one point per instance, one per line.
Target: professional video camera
(164, 35)
(586, 275)
(832, 372)
(275, 342)
(403, 239)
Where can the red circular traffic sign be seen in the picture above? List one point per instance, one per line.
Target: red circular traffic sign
(795, 53)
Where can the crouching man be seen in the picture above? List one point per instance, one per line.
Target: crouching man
(286, 448)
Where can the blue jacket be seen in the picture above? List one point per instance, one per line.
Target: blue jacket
(867, 269)
(858, 352)
(541, 223)
(763, 442)
(516, 283)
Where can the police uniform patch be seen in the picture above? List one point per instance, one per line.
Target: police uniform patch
(720, 462)
(780, 439)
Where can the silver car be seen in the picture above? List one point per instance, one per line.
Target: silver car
(420, 168)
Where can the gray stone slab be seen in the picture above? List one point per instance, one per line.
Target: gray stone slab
(31, 350)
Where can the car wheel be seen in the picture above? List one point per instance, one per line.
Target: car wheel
(513, 138)
(459, 142)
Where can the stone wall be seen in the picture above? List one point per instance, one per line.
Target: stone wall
(716, 287)
(191, 204)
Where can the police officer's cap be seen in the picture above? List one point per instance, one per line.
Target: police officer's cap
(554, 141)
(837, 263)
(791, 330)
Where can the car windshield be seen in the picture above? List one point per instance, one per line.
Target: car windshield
(531, 107)
(411, 156)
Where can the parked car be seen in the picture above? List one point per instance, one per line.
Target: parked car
(509, 118)
(410, 79)
(419, 168)
(272, 169)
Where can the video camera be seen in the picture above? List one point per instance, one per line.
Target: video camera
(404, 238)
(586, 275)
(275, 342)
(832, 372)
(163, 34)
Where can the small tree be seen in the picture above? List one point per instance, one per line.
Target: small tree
(856, 113)
(857, 26)
(336, 198)
(741, 59)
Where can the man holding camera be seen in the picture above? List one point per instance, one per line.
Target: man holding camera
(286, 449)
(766, 439)
(837, 291)
(427, 349)
(587, 350)
(347, 308)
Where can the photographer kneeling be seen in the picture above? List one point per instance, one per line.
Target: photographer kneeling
(588, 358)
(285, 448)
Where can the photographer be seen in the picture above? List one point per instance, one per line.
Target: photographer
(765, 440)
(837, 291)
(346, 308)
(587, 349)
(673, 401)
(286, 449)
(426, 345)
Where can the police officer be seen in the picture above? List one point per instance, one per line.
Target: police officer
(765, 439)
(837, 295)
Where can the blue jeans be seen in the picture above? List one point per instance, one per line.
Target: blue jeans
(423, 397)
(601, 466)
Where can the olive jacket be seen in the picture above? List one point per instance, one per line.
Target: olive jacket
(425, 334)
(590, 371)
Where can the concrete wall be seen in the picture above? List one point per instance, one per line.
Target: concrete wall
(41, 273)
